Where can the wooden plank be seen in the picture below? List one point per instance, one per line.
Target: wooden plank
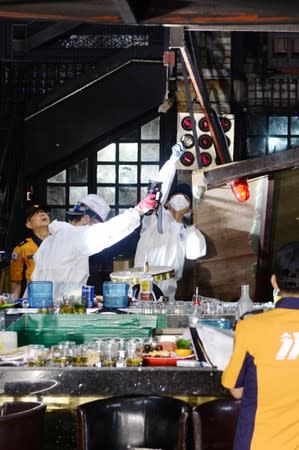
(249, 168)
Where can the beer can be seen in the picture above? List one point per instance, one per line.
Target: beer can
(88, 296)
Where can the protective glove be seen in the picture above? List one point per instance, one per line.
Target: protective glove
(147, 204)
(178, 149)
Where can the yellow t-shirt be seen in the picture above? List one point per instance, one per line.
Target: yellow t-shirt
(265, 362)
(22, 260)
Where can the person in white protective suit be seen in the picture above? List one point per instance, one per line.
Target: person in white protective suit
(177, 241)
(63, 257)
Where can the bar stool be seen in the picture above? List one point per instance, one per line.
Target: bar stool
(21, 425)
(119, 423)
(214, 424)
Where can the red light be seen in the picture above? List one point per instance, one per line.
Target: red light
(225, 123)
(187, 159)
(187, 123)
(205, 158)
(240, 189)
(203, 124)
(205, 141)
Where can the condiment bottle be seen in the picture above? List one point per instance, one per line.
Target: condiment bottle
(146, 286)
(193, 319)
(196, 297)
(245, 304)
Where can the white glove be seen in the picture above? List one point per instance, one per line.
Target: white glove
(147, 204)
(178, 149)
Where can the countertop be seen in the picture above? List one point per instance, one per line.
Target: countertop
(20, 381)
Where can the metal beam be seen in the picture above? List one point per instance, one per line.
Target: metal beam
(125, 12)
(241, 15)
(196, 76)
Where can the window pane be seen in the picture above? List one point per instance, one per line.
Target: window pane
(111, 214)
(280, 46)
(294, 142)
(58, 178)
(58, 214)
(278, 125)
(107, 153)
(78, 172)
(295, 125)
(55, 195)
(108, 193)
(127, 174)
(150, 152)
(151, 130)
(77, 193)
(106, 173)
(143, 191)
(131, 136)
(277, 144)
(256, 146)
(148, 173)
(256, 124)
(128, 196)
(128, 152)
(295, 45)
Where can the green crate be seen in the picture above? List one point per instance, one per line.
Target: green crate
(49, 329)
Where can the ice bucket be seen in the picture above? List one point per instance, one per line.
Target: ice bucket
(40, 294)
(115, 295)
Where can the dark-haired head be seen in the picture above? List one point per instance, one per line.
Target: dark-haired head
(286, 267)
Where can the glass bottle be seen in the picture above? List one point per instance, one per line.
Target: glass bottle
(196, 298)
(245, 304)
(193, 318)
(146, 286)
(67, 306)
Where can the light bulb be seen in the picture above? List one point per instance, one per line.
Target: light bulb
(240, 189)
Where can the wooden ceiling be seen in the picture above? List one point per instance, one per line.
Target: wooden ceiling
(251, 15)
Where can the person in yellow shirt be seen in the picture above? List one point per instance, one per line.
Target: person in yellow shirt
(264, 368)
(22, 262)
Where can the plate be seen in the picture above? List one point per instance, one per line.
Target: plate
(164, 361)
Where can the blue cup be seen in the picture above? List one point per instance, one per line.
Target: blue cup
(40, 294)
(115, 295)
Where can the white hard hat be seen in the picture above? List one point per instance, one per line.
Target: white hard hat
(97, 204)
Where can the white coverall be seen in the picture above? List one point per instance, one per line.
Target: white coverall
(177, 241)
(63, 256)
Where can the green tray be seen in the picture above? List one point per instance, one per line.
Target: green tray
(49, 329)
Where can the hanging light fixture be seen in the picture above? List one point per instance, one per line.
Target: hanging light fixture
(240, 188)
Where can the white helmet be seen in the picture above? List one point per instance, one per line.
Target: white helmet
(96, 204)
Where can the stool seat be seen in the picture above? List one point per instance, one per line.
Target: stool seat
(214, 424)
(119, 423)
(21, 425)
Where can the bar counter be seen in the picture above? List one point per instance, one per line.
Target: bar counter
(77, 382)
(62, 390)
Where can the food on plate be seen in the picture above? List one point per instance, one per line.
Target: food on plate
(168, 349)
(168, 345)
(159, 354)
(183, 347)
(183, 343)
(183, 352)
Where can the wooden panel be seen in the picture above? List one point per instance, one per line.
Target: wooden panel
(230, 259)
